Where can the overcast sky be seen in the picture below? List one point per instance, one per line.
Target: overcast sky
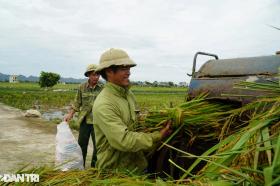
(161, 36)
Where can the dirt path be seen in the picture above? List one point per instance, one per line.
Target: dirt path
(26, 140)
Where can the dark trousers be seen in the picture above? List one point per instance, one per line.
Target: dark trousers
(84, 134)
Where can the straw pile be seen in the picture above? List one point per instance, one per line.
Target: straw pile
(251, 155)
(239, 145)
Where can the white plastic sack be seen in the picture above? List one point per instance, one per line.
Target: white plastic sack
(68, 153)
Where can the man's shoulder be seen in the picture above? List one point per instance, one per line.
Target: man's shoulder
(103, 102)
(104, 97)
(131, 94)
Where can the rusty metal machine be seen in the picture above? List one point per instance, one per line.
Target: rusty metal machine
(218, 76)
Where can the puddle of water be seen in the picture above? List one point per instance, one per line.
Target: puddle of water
(55, 114)
(50, 115)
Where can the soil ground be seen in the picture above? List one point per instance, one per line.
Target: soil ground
(26, 141)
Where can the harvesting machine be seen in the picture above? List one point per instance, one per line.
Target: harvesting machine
(219, 76)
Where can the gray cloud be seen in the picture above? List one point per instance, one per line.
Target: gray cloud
(161, 36)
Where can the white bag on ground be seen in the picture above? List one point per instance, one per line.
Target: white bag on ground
(68, 153)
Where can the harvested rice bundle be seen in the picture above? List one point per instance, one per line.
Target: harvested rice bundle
(190, 116)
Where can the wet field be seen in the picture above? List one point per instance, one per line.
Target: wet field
(26, 141)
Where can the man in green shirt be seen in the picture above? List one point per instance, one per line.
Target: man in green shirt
(83, 103)
(119, 146)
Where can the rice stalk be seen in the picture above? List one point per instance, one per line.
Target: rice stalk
(197, 113)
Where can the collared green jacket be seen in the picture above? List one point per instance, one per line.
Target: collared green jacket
(114, 119)
(84, 100)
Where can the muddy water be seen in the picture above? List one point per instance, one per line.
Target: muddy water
(53, 114)
(26, 141)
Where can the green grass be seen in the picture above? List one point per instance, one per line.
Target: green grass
(172, 90)
(34, 86)
(26, 99)
(152, 101)
(27, 95)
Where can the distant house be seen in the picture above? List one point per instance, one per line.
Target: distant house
(182, 84)
(13, 79)
(163, 84)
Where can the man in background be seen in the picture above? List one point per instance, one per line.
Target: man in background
(83, 103)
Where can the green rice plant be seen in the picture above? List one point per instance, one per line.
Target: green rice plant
(252, 149)
(196, 113)
(270, 88)
(26, 95)
(147, 101)
(231, 159)
(272, 172)
(249, 154)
